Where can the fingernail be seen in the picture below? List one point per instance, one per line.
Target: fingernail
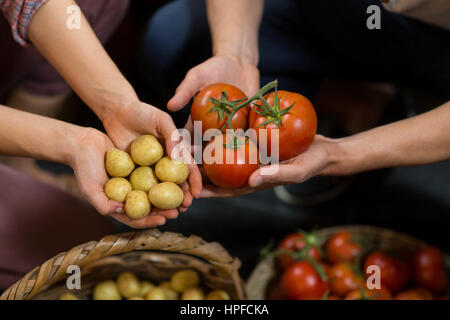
(258, 181)
(119, 210)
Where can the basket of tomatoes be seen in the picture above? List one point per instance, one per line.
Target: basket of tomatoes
(352, 263)
(145, 265)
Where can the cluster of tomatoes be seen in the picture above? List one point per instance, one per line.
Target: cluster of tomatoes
(343, 270)
(223, 106)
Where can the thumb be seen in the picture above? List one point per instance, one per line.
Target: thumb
(185, 91)
(276, 174)
(104, 205)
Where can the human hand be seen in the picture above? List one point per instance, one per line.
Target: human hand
(88, 163)
(135, 119)
(222, 68)
(312, 162)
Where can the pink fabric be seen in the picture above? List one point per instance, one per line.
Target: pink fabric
(38, 221)
(19, 14)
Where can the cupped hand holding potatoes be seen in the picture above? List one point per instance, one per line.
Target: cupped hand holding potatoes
(131, 120)
(145, 180)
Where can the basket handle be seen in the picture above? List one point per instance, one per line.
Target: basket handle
(54, 269)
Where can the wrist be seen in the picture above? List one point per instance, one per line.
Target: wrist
(341, 159)
(244, 55)
(110, 103)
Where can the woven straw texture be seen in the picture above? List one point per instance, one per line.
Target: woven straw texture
(152, 255)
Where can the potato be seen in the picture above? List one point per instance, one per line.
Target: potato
(166, 285)
(218, 295)
(170, 294)
(106, 290)
(135, 298)
(184, 279)
(143, 178)
(117, 189)
(146, 287)
(118, 163)
(156, 294)
(166, 195)
(128, 284)
(137, 205)
(68, 296)
(193, 293)
(146, 150)
(168, 170)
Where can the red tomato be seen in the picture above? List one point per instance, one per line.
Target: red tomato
(343, 279)
(342, 248)
(214, 116)
(297, 128)
(428, 270)
(369, 294)
(394, 273)
(414, 294)
(301, 281)
(243, 160)
(296, 242)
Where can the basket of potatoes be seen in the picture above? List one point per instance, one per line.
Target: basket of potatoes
(144, 265)
(145, 178)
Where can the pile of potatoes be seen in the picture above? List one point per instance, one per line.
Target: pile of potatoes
(183, 285)
(145, 186)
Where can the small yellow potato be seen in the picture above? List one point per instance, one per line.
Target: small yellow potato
(146, 287)
(143, 178)
(118, 163)
(166, 285)
(168, 290)
(168, 170)
(128, 284)
(68, 296)
(156, 294)
(184, 279)
(137, 205)
(218, 295)
(193, 293)
(146, 150)
(106, 290)
(166, 195)
(135, 298)
(118, 189)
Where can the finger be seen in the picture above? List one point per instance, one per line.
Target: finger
(281, 174)
(185, 91)
(195, 181)
(167, 128)
(210, 191)
(189, 126)
(168, 214)
(187, 201)
(146, 222)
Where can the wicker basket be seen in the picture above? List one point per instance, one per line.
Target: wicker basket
(150, 254)
(265, 272)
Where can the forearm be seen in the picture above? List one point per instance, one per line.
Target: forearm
(234, 27)
(28, 135)
(415, 141)
(80, 58)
